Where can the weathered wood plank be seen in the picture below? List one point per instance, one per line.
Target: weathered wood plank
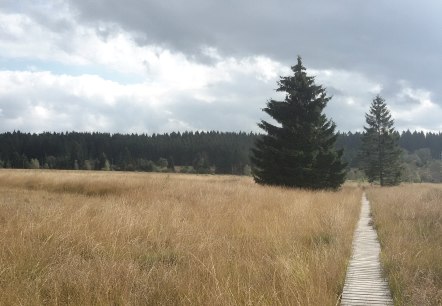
(364, 284)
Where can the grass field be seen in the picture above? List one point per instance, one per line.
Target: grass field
(409, 223)
(131, 238)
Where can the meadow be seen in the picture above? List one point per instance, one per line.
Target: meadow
(95, 238)
(408, 219)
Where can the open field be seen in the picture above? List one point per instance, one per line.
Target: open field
(409, 223)
(128, 238)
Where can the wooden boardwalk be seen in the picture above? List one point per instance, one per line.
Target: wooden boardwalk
(364, 284)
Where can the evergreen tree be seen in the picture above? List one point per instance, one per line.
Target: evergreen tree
(103, 163)
(380, 149)
(201, 163)
(300, 150)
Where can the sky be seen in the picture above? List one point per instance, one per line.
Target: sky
(160, 66)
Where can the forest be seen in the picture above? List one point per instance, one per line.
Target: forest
(191, 152)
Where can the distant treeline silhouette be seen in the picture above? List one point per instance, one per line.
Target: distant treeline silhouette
(202, 152)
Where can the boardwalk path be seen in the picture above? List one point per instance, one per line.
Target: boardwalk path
(364, 284)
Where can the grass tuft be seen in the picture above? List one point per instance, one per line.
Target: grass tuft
(87, 238)
(408, 219)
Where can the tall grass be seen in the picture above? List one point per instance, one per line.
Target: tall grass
(161, 239)
(409, 223)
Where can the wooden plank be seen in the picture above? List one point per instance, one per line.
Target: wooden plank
(364, 284)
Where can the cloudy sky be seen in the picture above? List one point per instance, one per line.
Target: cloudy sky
(151, 66)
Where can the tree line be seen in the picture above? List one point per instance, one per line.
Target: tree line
(204, 152)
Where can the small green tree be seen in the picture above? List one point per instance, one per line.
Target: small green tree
(299, 151)
(247, 170)
(51, 161)
(162, 163)
(380, 150)
(145, 165)
(201, 163)
(34, 164)
(435, 169)
(76, 165)
(171, 164)
(88, 164)
(104, 163)
(424, 155)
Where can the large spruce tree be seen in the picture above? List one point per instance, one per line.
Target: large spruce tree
(300, 150)
(380, 149)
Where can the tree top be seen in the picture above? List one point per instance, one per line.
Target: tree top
(298, 67)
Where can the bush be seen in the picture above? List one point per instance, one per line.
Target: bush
(34, 164)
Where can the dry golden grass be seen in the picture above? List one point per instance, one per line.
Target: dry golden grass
(409, 223)
(88, 238)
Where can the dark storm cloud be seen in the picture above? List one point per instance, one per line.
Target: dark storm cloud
(389, 40)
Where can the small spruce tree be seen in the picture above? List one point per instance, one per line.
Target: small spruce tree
(380, 152)
(300, 150)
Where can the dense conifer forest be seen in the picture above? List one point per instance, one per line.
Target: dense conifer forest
(201, 152)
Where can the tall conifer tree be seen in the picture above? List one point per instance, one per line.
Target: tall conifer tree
(300, 150)
(380, 149)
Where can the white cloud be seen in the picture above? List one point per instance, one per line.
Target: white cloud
(351, 82)
(44, 101)
(421, 113)
(167, 89)
(117, 51)
(24, 37)
(168, 82)
(352, 93)
(168, 79)
(211, 53)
